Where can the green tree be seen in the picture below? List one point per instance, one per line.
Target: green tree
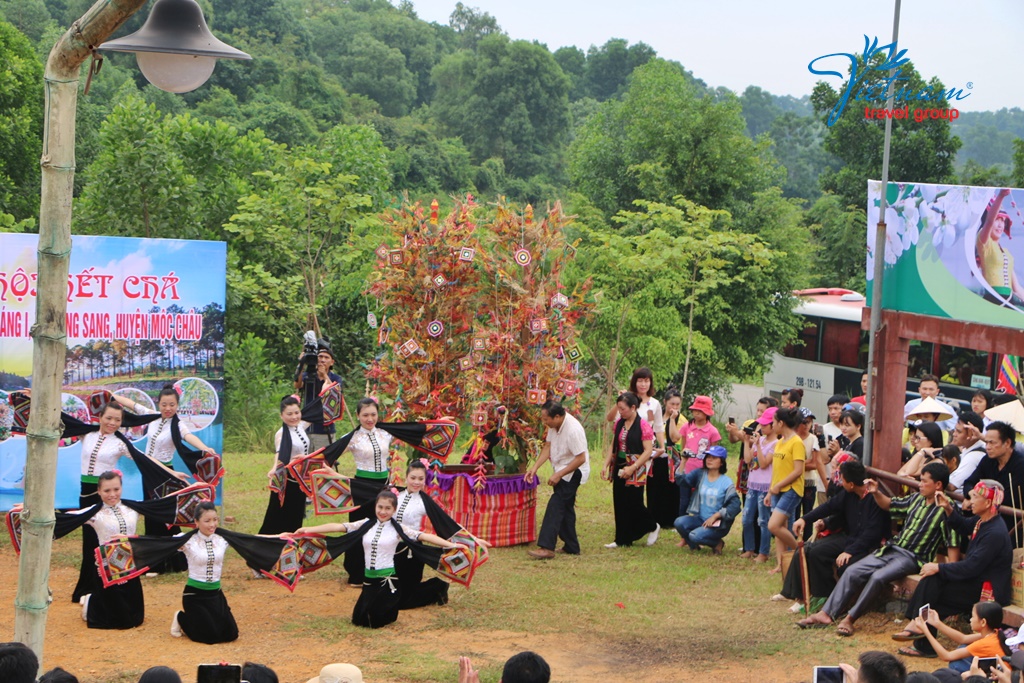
(610, 66)
(663, 140)
(573, 62)
(1018, 163)
(508, 100)
(29, 16)
(798, 144)
(840, 232)
(471, 25)
(371, 68)
(919, 152)
(21, 124)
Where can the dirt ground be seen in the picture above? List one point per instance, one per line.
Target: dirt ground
(316, 631)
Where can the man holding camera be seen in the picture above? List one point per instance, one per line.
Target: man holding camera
(315, 364)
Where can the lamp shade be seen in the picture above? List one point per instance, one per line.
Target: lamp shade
(175, 48)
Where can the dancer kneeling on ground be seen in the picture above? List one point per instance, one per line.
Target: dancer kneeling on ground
(952, 587)
(925, 530)
(712, 507)
(625, 467)
(855, 526)
(379, 601)
(413, 505)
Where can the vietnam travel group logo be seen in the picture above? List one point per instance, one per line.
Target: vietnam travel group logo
(874, 94)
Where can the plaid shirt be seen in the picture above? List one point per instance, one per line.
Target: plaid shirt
(925, 527)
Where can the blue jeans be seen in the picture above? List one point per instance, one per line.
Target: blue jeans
(787, 503)
(691, 528)
(755, 512)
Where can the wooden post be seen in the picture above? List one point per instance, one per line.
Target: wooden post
(60, 82)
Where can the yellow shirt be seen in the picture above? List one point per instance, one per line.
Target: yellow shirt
(784, 462)
(997, 267)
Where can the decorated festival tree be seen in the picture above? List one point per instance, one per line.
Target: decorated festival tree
(476, 324)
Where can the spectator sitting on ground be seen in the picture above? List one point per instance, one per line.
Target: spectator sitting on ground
(160, 674)
(876, 667)
(339, 672)
(18, 663)
(525, 667)
(58, 675)
(258, 673)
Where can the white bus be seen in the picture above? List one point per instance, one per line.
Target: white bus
(832, 351)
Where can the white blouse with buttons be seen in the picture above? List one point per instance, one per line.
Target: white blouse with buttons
(410, 510)
(370, 449)
(100, 453)
(300, 440)
(205, 556)
(114, 520)
(159, 443)
(381, 541)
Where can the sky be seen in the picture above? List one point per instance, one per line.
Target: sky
(736, 43)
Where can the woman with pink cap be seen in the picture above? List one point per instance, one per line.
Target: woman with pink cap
(698, 434)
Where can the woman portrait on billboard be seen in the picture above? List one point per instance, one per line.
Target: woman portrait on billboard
(994, 260)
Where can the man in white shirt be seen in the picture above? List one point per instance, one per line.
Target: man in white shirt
(967, 436)
(566, 448)
(929, 388)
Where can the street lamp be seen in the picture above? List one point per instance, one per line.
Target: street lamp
(175, 50)
(193, 47)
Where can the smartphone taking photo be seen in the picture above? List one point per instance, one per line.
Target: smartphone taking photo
(219, 673)
(828, 674)
(923, 612)
(986, 664)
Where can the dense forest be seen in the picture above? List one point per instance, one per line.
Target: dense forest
(695, 206)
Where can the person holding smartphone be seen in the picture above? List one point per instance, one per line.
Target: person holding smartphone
(984, 641)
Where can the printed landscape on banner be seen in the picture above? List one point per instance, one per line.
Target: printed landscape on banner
(141, 313)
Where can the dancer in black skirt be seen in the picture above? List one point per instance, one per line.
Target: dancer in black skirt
(164, 437)
(631, 449)
(100, 452)
(292, 443)
(381, 537)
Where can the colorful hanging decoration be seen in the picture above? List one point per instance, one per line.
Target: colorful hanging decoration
(480, 417)
(466, 363)
(396, 257)
(435, 328)
(408, 348)
(538, 325)
(467, 254)
(536, 397)
(523, 257)
(566, 387)
(573, 353)
(439, 280)
(382, 252)
(559, 301)
(433, 212)
(479, 343)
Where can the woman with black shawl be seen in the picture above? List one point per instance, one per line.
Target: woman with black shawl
(380, 538)
(102, 447)
(625, 467)
(287, 505)
(165, 436)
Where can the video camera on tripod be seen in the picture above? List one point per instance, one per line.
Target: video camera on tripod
(309, 356)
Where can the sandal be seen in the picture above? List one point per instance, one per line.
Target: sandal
(812, 622)
(914, 652)
(844, 630)
(906, 636)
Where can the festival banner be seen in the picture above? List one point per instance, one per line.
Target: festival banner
(952, 251)
(142, 313)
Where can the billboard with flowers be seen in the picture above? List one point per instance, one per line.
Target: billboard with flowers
(952, 251)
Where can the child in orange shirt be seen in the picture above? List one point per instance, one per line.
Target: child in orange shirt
(985, 641)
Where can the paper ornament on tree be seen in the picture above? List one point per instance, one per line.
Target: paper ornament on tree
(523, 257)
(479, 344)
(396, 257)
(566, 387)
(559, 301)
(435, 328)
(479, 417)
(465, 363)
(574, 353)
(408, 348)
(467, 254)
(382, 252)
(536, 396)
(440, 280)
(371, 320)
(538, 325)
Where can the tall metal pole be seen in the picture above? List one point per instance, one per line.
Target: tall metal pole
(60, 81)
(876, 289)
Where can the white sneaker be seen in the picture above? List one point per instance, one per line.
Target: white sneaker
(779, 597)
(613, 544)
(652, 537)
(84, 602)
(175, 628)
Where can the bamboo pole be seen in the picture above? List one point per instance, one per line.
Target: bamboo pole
(60, 82)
